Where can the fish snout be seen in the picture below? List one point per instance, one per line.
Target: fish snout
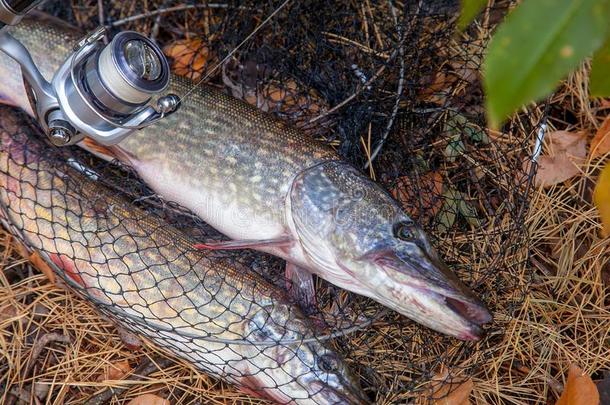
(346, 395)
(426, 290)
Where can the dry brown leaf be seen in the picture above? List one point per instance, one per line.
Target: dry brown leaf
(600, 145)
(38, 262)
(567, 151)
(427, 194)
(189, 56)
(21, 249)
(438, 89)
(148, 399)
(7, 311)
(115, 371)
(579, 389)
(446, 390)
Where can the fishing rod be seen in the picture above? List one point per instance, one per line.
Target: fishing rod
(101, 90)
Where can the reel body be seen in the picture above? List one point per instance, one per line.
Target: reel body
(102, 91)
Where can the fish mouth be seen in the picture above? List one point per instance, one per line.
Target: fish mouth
(434, 295)
(472, 315)
(344, 396)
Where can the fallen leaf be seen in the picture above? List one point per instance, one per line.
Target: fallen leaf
(437, 90)
(601, 199)
(423, 199)
(448, 390)
(115, 371)
(129, 339)
(579, 389)
(567, 151)
(600, 145)
(8, 311)
(21, 249)
(189, 57)
(38, 262)
(148, 399)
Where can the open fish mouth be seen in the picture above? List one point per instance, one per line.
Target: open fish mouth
(455, 314)
(434, 296)
(473, 315)
(341, 397)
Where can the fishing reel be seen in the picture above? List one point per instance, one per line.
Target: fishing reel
(102, 91)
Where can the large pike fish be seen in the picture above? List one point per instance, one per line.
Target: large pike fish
(202, 306)
(269, 187)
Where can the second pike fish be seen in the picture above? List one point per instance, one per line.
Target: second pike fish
(269, 187)
(142, 272)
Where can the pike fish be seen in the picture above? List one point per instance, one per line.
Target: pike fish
(268, 186)
(145, 274)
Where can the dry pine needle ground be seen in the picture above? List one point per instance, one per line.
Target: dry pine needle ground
(55, 348)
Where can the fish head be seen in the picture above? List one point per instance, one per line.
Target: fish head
(287, 363)
(359, 238)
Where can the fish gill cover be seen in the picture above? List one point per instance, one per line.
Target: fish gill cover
(397, 93)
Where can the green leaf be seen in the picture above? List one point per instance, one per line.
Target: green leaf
(470, 9)
(468, 212)
(477, 134)
(454, 148)
(599, 82)
(446, 218)
(540, 42)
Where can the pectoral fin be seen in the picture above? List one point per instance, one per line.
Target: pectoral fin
(299, 283)
(245, 244)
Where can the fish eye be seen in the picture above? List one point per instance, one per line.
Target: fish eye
(402, 230)
(328, 363)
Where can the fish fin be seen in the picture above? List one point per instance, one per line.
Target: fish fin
(245, 244)
(67, 265)
(300, 286)
(106, 152)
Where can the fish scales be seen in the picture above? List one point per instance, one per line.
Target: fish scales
(246, 154)
(144, 273)
(270, 187)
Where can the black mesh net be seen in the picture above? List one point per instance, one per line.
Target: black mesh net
(396, 92)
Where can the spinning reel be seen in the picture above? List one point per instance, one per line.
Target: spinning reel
(102, 91)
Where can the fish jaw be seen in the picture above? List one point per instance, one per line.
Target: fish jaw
(357, 237)
(291, 367)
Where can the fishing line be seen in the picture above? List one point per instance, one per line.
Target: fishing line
(277, 10)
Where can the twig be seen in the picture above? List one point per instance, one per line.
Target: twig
(154, 32)
(100, 11)
(169, 10)
(37, 349)
(401, 83)
(357, 92)
(39, 346)
(552, 382)
(147, 367)
(21, 394)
